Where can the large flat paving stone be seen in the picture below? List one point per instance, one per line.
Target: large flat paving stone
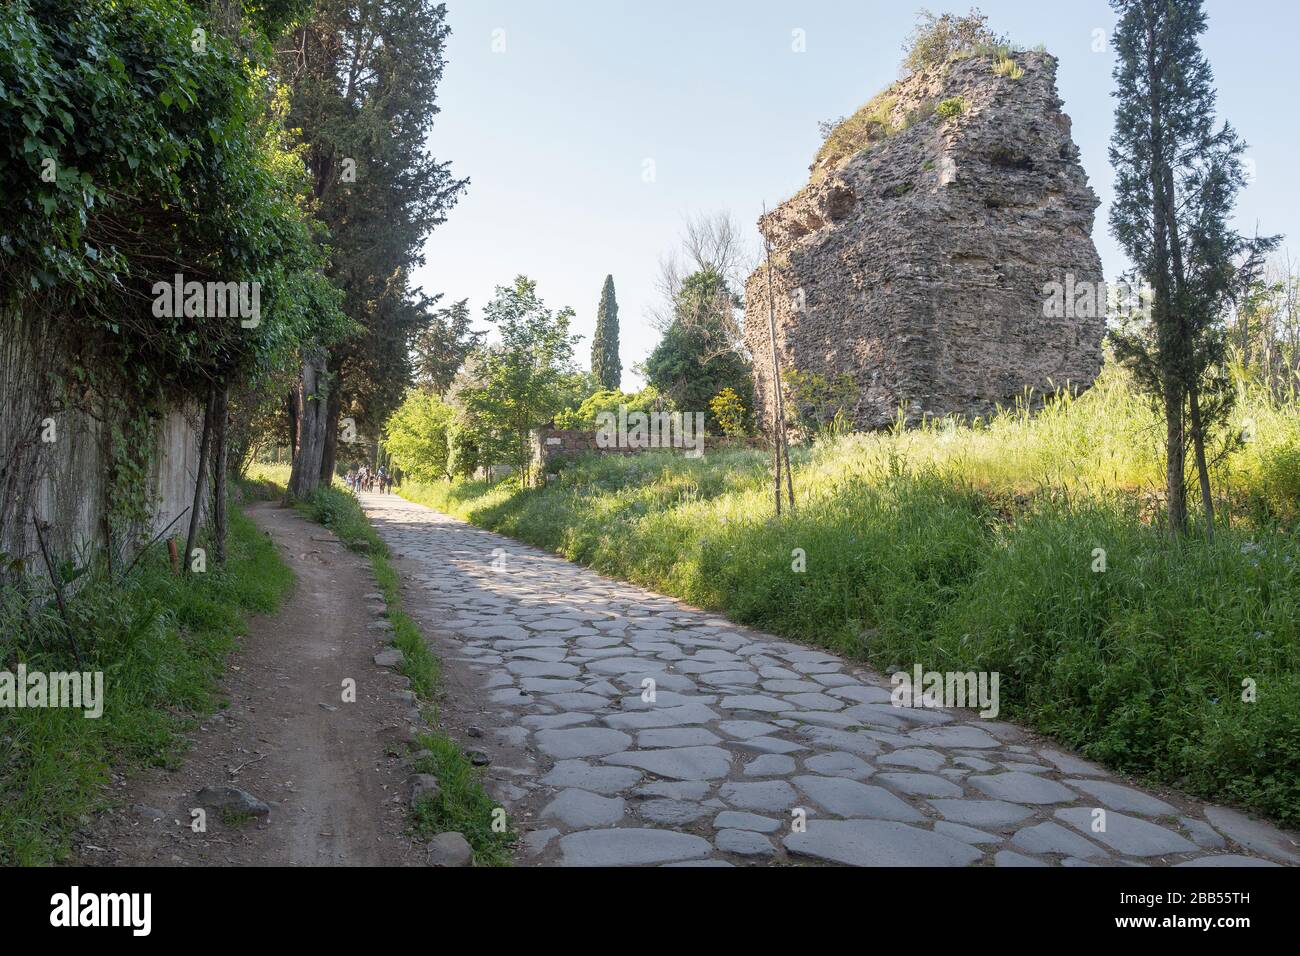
(754, 702)
(878, 843)
(580, 774)
(848, 798)
(744, 843)
(678, 763)
(656, 717)
(919, 784)
(917, 757)
(1114, 796)
(1018, 787)
(768, 795)
(577, 701)
(966, 738)
(629, 846)
(1049, 837)
(671, 812)
(676, 737)
(1128, 835)
(738, 820)
(582, 742)
(982, 813)
(1256, 835)
(578, 808)
(542, 669)
(839, 764)
(1227, 859)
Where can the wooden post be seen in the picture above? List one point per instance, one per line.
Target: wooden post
(220, 445)
(58, 591)
(780, 442)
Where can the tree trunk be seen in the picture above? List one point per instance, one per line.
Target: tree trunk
(1175, 461)
(1202, 469)
(220, 453)
(200, 482)
(291, 408)
(329, 457)
(1169, 341)
(305, 477)
(1187, 354)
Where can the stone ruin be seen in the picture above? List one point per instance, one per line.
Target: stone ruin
(917, 269)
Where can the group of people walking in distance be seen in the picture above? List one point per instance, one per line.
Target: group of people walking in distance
(366, 479)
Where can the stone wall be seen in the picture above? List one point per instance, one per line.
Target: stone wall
(62, 481)
(552, 444)
(917, 267)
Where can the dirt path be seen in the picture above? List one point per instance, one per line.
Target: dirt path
(626, 727)
(335, 793)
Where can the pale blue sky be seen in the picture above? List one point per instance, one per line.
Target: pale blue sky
(554, 129)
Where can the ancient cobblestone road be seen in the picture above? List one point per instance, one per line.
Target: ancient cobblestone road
(548, 661)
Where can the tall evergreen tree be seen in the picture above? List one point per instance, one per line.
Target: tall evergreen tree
(1177, 177)
(605, 363)
(364, 77)
(442, 346)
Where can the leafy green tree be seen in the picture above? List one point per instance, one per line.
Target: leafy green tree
(605, 363)
(730, 412)
(585, 416)
(814, 402)
(468, 442)
(129, 156)
(1177, 177)
(694, 361)
(521, 381)
(419, 436)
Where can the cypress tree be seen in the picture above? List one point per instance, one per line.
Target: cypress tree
(1177, 178)
(605, 364)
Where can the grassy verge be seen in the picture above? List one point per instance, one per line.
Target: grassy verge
(911, 559)
(462, 804)
(161, 642)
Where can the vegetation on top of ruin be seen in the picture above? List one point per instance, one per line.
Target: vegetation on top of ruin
(937, 40)
(936, 43)
(952, 106)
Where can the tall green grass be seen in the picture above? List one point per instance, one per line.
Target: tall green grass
(973, 548)
(161, 642)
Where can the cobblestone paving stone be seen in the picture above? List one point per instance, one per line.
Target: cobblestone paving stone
(747, 734)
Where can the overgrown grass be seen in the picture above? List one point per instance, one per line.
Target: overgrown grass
(161, 642)
(461, 804)
(964, 548)
(950, 108)
(1006, 66)
(871, 123)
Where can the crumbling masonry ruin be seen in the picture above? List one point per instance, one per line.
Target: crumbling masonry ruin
(916, 267)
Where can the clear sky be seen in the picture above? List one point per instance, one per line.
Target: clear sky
(556, 109)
